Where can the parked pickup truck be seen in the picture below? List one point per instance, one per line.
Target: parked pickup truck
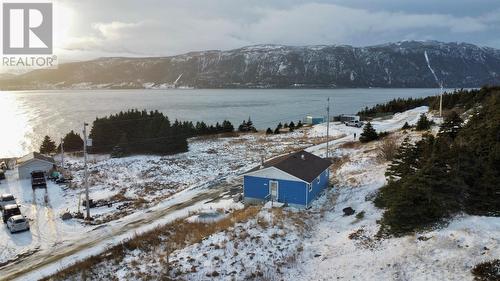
(354, 123)
(38, 179)
(9, 211)
(6, 199)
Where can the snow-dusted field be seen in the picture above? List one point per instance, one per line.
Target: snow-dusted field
(278, 244)
(338, 247)
(347, 250)
(134, 185)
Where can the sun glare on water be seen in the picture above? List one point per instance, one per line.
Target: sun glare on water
(15, 126)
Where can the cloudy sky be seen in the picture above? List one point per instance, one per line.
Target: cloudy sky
(95, 28)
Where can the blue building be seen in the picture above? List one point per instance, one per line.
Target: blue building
(296, 179)
(313, 120)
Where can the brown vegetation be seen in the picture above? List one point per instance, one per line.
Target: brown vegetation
(180, 233)
(388, 148)
(218, 136)
(487, 271)
(351, 145)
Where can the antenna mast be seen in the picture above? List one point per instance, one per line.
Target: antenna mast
(441, 102)
(327, 127)
(87, 205)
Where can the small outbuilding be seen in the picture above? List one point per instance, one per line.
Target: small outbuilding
(34, 162)
(295, 179)
(313, 120)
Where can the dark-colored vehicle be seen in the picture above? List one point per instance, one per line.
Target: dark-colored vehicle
(9, 211)
(38, 179)
(6, 199)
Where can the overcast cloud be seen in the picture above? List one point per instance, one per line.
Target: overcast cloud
(159, 28)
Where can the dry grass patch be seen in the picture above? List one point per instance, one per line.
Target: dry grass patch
(387, 149)
(319, 140)
(218, 136)
(119, 197)
(338, 163)
(351, 145)
(175, 235)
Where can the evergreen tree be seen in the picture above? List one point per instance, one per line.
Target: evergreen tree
(249, 123)
(280, 126)
(424, 198)
(277, 130)
(123, 143)
(247, 126)
(423, 123)
(406, 126)
(243, 126)
(285, 126)
(201, 128)
(403, 162)
(299, 124)
(368, 134)
(212, 129)
(218, 128)
(48, 146)
(72, 142)
(269, 131)
(455, 172)
(451, 125)
(291, 126)
(465, 99)
(227, 127)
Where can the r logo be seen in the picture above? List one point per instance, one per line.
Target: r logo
(27, 28)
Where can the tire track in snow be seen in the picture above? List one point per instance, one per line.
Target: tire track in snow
(36, 220)
(20, 267)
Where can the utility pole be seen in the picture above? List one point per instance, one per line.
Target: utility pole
(327, 126)
(85, 170)
(441, 103)
(62, 153)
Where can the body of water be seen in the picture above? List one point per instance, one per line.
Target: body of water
(27, 116)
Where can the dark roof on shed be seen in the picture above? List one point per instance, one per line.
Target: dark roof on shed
(35, 155)
(301, 164)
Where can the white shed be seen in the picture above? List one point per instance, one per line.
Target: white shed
(33, 162)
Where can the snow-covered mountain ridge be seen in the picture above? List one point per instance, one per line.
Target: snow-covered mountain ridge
(391, 65)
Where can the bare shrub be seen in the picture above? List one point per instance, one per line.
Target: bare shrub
(485, 271)
(387, 149)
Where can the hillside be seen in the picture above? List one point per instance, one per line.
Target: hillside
(390, 65)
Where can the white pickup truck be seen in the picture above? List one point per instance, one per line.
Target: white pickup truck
(354, 123)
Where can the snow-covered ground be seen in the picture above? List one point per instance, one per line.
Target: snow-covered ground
(43, 208)
(346, 248)
(316, 244)
(134, 184)
(338, 247)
